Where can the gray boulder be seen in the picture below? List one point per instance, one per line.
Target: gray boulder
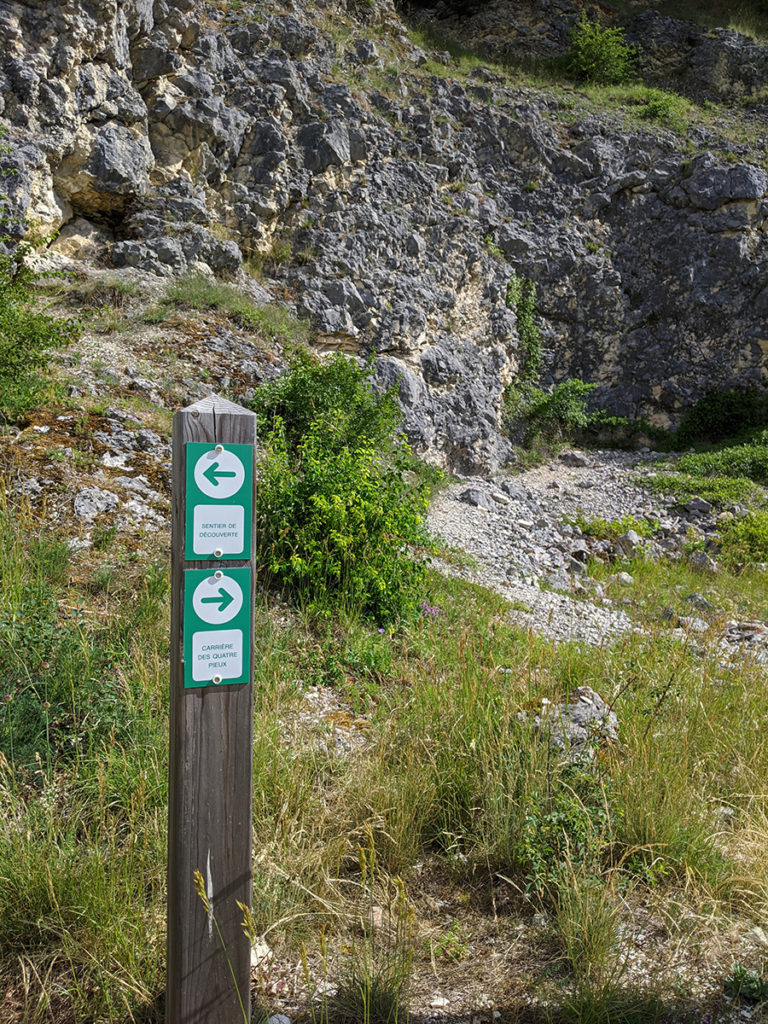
(324, 145)
(578, 726)
(91, 502)
(477, 497)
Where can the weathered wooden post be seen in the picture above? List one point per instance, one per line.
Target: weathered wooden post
(211, 712)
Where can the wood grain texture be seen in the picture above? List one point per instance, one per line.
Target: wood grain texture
(210, 784)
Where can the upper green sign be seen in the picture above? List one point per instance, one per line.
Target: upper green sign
(219, 508)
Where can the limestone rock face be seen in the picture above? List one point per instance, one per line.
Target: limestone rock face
(391, 203)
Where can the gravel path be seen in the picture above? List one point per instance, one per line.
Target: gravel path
(522, 539)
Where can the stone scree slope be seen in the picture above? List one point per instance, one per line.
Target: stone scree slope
(396, 201)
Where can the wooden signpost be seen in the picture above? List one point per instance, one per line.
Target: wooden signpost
(211, 713)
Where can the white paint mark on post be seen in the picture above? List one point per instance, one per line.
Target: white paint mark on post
(209, 893)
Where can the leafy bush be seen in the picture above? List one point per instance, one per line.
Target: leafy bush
(658, 105)
(27, 335)
(600, 54)
(543, 416)
(722, 414)
(336, 516)
(665, 107)
(571, 822)
(336, 393)
(562, 411)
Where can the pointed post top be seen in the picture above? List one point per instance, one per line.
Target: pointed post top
(216, 405)
(215, 419)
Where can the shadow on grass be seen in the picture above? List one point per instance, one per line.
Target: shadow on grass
(622, 1006)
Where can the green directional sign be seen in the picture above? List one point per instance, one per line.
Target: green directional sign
(217, 627)
(219, 501)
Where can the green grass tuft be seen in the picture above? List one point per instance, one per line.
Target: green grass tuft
(612, 529)
(199, 293)
(721, 491)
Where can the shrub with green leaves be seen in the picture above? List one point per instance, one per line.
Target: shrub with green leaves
(337, 518)
(27, 336)
(542, 415)
(571, 821)
(336, 393)
(722, 414)
(562, 411)
(665, 107)
(600, 54)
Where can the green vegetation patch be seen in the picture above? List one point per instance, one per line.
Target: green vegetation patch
(450, 772)
(198, 292)
(521, 297)
(59, 695)
(735, 469)
(83, 792)
(720, 491)
(746, 986)
(600, 53)
(28, 335)
(745, 539)
(721, 415)
(748, 461)
(339, 513)
(665, 108)
(541, 419)
(612, 529)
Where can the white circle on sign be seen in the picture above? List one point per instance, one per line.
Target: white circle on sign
(219, 474)
(216, 601)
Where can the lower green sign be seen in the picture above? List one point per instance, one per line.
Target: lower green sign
(217, 627)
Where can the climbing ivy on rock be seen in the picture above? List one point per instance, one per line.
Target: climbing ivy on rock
(521, 297)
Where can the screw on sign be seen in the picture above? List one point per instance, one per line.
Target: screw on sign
(211, 726)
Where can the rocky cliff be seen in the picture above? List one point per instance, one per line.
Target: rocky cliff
(389, 191)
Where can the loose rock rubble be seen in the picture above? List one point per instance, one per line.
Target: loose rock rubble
(522, 541)
(324, 722)
(517, 530)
